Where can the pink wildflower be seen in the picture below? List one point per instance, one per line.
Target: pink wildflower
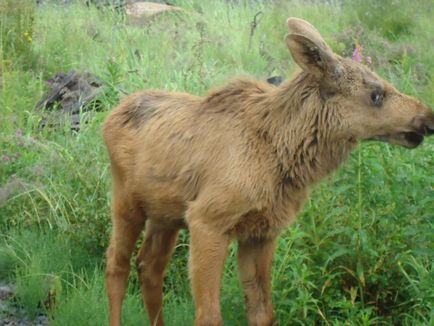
(357, 53)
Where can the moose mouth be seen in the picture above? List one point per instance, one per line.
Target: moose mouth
(409, 139)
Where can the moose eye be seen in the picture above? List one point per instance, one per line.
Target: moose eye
(377, 98)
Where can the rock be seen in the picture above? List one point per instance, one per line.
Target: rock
(275, 80)
(69, 96)
(13, 315)
(6, 291)
(57, 2)
(41, 320)
(141, 13)
(118, 4)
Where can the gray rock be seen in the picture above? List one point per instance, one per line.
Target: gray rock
(7, 290)
(141, 13)
(70, 95)
(275, 80)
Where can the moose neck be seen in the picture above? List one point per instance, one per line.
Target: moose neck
(303, 131)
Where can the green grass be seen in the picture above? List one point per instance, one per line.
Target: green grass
(362, 250)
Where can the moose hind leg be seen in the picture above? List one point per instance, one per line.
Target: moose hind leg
(153, 257)
(127, 225)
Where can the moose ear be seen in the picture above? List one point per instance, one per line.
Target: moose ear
(309, 49)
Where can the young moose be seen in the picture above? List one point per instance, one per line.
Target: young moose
(238, 164)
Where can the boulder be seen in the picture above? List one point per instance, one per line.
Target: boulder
(70, 94)
(275, 80)
(141, 13)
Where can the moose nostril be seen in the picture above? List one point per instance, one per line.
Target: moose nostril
(425, 123)
(430, 126)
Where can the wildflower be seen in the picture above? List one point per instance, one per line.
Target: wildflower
(6, 158)
(27, 37)
(18, 133)
(357, 53)
(368, 60)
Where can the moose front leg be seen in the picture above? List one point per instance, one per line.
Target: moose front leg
(208, 251)
(254, 264)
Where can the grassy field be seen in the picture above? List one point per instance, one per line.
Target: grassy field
(362, 250)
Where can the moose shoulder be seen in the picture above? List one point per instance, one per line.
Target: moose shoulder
(237, 164)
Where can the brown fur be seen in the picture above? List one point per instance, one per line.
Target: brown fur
(238, 164)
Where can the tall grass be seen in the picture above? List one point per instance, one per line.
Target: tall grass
(16, 32)
(360, 253)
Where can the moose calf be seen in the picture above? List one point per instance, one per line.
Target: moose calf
(238, 164)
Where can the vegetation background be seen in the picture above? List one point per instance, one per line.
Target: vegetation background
(361, 252)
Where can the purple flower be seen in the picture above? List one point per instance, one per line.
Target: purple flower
(6, 158)
(19, 133)
(357, 54)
